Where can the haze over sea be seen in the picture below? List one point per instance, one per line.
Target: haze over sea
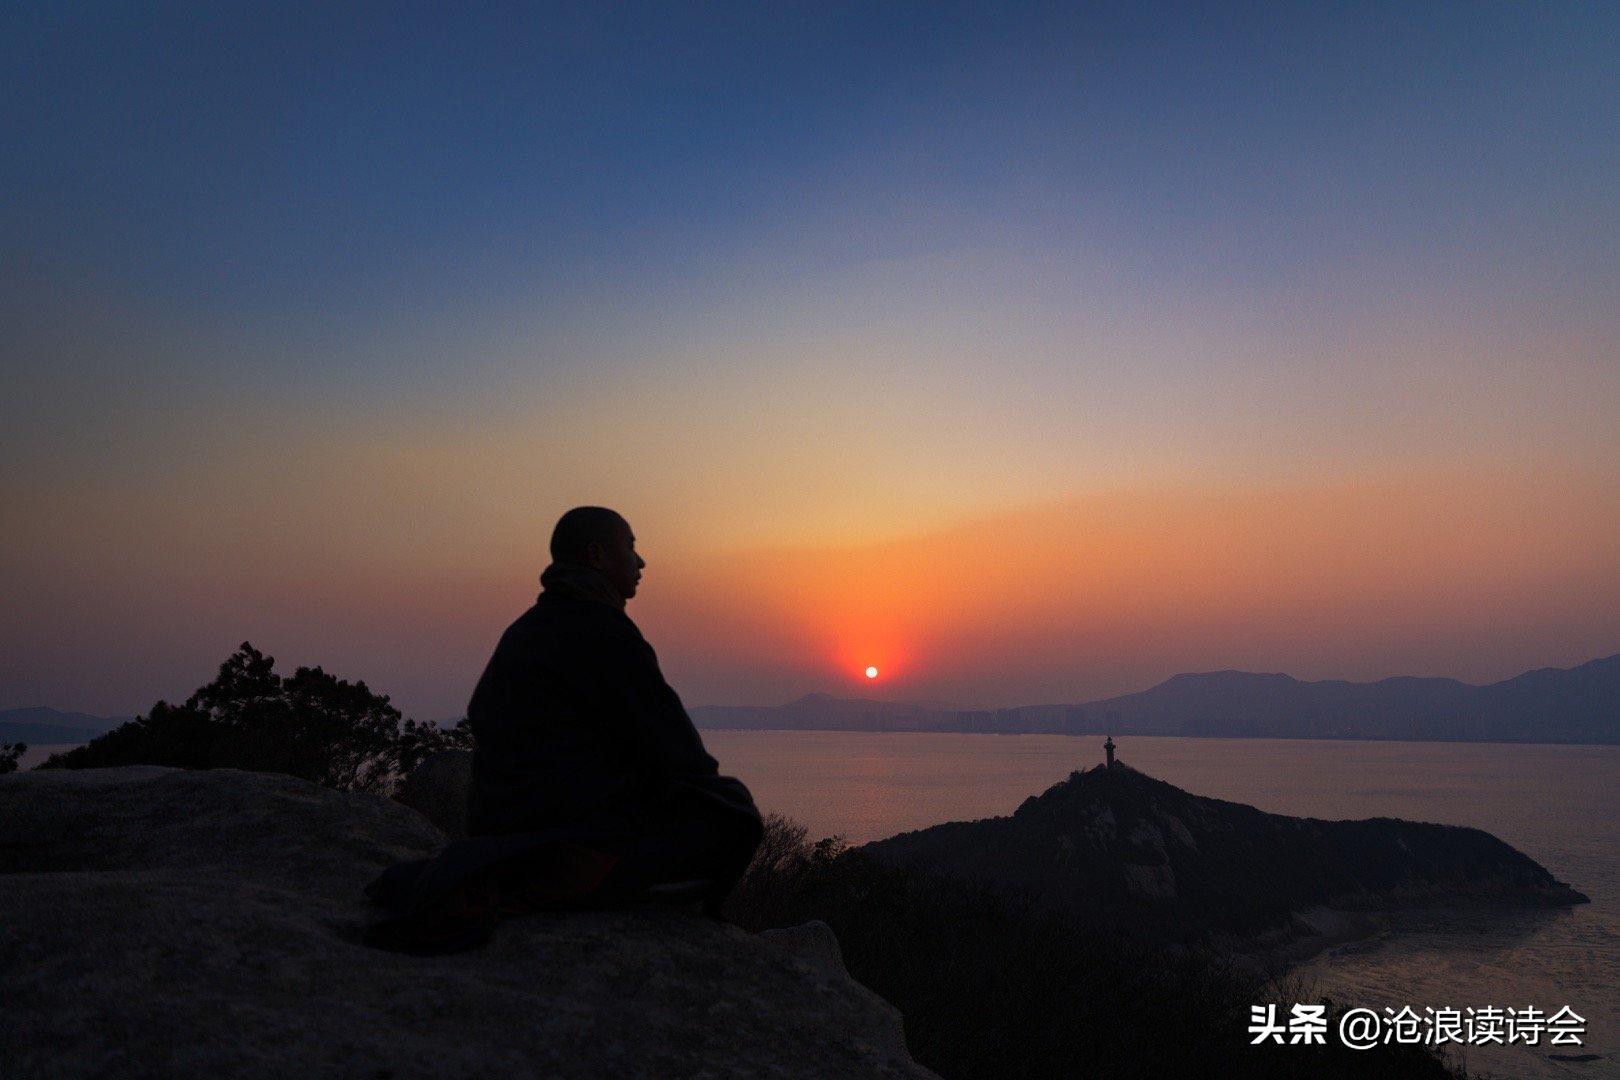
(1557, 804)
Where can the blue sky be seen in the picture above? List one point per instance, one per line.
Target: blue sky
(321, 164)
(299, 276)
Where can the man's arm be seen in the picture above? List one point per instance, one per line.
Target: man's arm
(659, 734)
(656, 725)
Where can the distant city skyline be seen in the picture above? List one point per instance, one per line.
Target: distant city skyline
(1027, 357)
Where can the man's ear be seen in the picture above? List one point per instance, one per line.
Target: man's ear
(593, 554)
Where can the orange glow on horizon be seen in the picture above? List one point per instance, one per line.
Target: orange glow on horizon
(1354, 578)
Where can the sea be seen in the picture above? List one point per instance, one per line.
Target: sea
(1558, 804)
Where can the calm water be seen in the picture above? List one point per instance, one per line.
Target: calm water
(1558, 804)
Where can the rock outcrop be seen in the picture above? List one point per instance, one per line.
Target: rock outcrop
(1123, 848)
(159, 922)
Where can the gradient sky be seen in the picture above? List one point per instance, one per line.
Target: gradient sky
(1031, 358)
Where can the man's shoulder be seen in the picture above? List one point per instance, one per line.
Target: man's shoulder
(552, 615)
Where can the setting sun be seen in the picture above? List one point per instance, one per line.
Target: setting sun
(871, 673)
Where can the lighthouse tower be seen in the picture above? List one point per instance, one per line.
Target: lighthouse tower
(1108, 748)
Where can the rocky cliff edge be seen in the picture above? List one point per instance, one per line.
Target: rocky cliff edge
(160, 922)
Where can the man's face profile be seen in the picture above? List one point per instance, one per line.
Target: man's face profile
(615, 557)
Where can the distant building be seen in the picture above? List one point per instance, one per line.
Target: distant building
(1108, 748)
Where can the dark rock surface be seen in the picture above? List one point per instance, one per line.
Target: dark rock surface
(1121, 847)
(159, 922)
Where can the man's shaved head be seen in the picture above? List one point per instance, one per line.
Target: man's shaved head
(577, 529)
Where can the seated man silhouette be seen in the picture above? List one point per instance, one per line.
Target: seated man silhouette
(590, 785)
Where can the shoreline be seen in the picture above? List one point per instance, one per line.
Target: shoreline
(1322, 931)
(1314, 933)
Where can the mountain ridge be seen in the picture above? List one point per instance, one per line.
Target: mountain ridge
(41, 724)
(1127, 849)
(1580, 704)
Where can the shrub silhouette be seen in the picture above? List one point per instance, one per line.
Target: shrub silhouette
(309, 724)
(9, 753)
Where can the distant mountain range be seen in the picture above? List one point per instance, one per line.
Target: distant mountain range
(1558, 705)
(1555, 705)
(40, 726)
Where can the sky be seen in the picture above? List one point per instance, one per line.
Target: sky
(1029, 354)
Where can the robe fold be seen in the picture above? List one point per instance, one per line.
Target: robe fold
(590, 783)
